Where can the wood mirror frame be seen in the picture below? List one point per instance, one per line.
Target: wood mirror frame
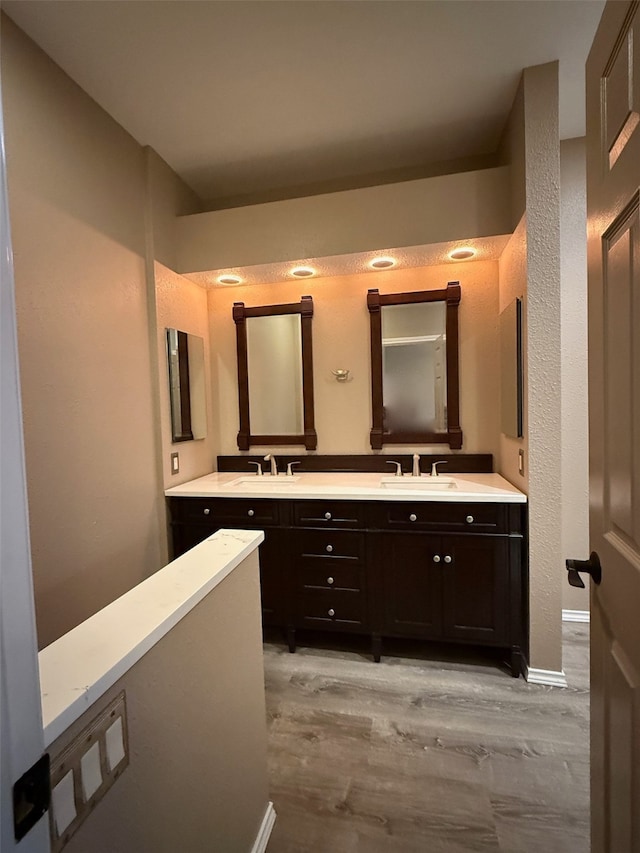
(453, 434)
(240, 314)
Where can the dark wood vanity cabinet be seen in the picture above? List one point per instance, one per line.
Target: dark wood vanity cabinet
(440, 571)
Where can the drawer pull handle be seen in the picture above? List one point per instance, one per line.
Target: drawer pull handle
(436, 558)
(327, 515)
(250, 513)
(330, 581)
(413, 517)
(206, 511)
(332, 612)
(329, 549)
(469, 519)
(447, 559)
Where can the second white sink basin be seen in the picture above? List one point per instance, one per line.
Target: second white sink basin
(425, 482)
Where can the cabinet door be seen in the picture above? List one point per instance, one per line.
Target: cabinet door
(411, 585)
(475, 589)
(272, 589)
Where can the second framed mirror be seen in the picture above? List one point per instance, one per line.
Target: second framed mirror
(414, 367)
(275, 374)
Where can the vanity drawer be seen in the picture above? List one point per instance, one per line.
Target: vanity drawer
(221, 511)
(431, 515)
(343, 609)
(328, 514)
(329, 544)
(317, 573)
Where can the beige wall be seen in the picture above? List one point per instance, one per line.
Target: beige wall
(412, 213)
(575, 415)
(542, 158)
(341, 339)
(196, 780)
(77, 196)
(182, 305)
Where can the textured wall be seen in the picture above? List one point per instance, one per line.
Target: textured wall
(542, 158)
(341, 339)
(197, 778)
(76, 195)
(575, 415)
(182, 305)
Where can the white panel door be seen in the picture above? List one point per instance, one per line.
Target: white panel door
(21, 736)
(613, 200)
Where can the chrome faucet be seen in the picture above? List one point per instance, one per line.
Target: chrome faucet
(398, 466)
(290, 468)
(416, 465)
(258, 465)
(434, 467)
(274, 466)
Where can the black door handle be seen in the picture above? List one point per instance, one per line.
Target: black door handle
(592, 566)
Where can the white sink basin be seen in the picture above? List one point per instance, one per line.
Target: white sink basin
(424, 482)
(265, 480)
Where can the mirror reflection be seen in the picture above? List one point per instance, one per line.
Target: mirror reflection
(186, 386)
(275, 374)
(274, 367)
(414, 367)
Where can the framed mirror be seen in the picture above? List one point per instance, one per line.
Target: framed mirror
(511, 370)
(275, 374)
(187, 398)
(414, 367)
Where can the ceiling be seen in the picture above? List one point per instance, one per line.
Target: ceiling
(251, 100)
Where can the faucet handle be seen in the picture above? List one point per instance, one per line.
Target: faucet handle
(290, 468)
(398, 466)
(434, 467)
(258, 467)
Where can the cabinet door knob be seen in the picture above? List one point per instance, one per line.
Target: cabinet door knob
(447, 559)
(250, 513)
(206, 511)
(332, 612)
(469, 519)
(327, 515)
(413, 517)
(436, 558)
(330, 580)
(329, 549)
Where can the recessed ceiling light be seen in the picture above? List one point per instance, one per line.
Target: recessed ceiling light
(462, 254)
(382, 263)
(302, 272)
(229, 279)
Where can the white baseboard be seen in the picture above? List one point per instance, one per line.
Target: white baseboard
(546, 676)
(576, 616)
(262, 839)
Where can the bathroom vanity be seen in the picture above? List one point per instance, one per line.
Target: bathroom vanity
(432, 558)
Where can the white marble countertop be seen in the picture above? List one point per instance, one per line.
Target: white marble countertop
(467, 488)
(77, 669)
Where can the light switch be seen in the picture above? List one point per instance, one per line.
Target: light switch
(175, 463)
(63, 802)
(115, 744)
(90, 772)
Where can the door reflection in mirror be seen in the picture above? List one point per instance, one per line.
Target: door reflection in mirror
(414, 367)
(274, 355)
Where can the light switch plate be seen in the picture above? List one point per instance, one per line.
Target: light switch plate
(175, 463)
(83, 773)
(521, 462)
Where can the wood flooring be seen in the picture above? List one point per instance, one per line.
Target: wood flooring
(426, 756)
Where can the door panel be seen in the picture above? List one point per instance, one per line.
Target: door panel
(412, 585)
(613, 179)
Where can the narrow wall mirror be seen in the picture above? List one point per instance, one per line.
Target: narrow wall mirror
(186, 386)
(414, 367)
(511, 370)
(275, 374)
